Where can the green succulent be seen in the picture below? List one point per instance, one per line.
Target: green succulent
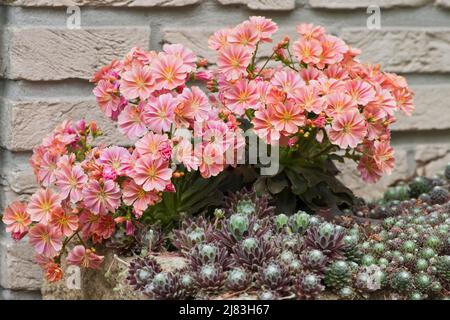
(338, 275)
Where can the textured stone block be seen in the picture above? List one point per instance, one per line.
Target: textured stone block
(25, 123)
(18, 271)
(111, 3)
(403, 49)
(263, 4)
(353, 4)
(40, 53)
(432, 109)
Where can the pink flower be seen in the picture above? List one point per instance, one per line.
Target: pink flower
(263, 124)
(46, 169)
(212, 161)
(187, 56)
(233, 61)
(309, 31)
(169, 71)
(339, 103)
(152, 174)
(42, 204)
(101, 197)
(135, 195)
(160, 112)
(289, 81)
(107, 97)
(219, 39)
(151, 145)
(184, 154)
(361, 92)
(308, 99)
(369, 169)
(16, 219)
(384, 102)
(194, 103)
(333, 50)
(308, 51)
(132, 121)
(404, 99)
(288, 117)
(244, 34)
(348, 129)
(137, 83)
(242, 95)
(70, 182)
(45, 240)
(116, 158)
(383, 154)
(80, 256)
(265, 27)
(64, 222)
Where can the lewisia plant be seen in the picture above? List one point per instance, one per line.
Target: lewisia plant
(311, 98)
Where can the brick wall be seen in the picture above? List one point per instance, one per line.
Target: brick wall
(44, 67)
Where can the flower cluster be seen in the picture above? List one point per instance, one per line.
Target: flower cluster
(319, 85)
(184, 115)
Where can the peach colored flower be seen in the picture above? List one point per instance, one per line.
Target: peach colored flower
(369, 170)
(308, 99)
(42, 204)
(53, 272)
(348, 129)
(233, 61)
(151, 145)
(152, 174)
(187, 56)
(80, 256)
(115, 158)
(159, 114)
(70, 182)
(288, 117)
(339, 103)
(309, 31)
(65, 223)
(169, 71)
(101, 197)
(219, 39)
(212, 160)
(244, 34)
(107, 97)
(45, 240)
(383, 154)
(241, 96)
(16, 219)
(265, 27)
(134, 195)
(288, 80)
(264, 126)
(137, 82)
(404, 100)
(194, 104)
(361, 92)
(307, 51)
(183, 153)
(131, 121)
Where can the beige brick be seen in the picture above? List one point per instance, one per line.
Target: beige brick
(263, 4)
(40, 53)
(403, 49)
(18, 271)
(350, 176)
(111, 3)
(27, 122)
(443, 3)
(432, 159)
(353, 4)
(432, 109)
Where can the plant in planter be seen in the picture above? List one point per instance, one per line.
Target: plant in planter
(310, 103)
